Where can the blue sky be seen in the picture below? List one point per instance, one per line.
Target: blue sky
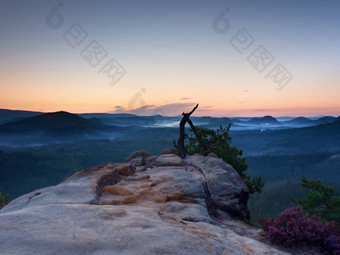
(169, 50)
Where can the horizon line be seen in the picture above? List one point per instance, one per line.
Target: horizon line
(196, 115)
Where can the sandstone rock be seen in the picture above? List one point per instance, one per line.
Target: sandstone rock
(125, 169)
(151, 161)
(138, 158)
(179, 208)
(169, 160)
(213, 155)
(168, 151)
(228, 193)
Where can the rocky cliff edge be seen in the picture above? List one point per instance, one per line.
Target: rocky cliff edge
(147, 205)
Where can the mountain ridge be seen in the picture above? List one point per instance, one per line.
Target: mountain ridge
(51, 122)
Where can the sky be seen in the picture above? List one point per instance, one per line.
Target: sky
(234, 58)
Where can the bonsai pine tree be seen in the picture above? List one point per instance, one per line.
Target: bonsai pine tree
(205, 141)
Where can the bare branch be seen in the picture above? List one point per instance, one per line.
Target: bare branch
(181, 149)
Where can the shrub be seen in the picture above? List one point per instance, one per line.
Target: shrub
(294, 228)
(4, 200)
(205, 141)
(321, 200)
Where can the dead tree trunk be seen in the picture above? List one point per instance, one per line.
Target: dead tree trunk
(181, 149)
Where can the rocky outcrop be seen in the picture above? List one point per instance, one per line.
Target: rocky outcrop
(147, 205)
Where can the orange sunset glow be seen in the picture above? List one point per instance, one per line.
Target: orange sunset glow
(173, 66)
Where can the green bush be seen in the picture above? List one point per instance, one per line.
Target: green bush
(4, 200)
(321, 200)
(205, 141)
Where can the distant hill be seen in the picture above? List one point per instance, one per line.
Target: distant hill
(220, 121)
(324, 137)
(325, 120)
(266, 120)
(13, 115)
(303, 121)
(332, 127)
(299, 121)
(125, 119)
(56, 124)
(129, 120)
(104, 115)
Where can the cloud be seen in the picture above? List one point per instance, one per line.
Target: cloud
(173, 109)
(185, 98)
(143, 110)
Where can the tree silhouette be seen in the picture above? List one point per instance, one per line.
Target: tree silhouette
(185, 119)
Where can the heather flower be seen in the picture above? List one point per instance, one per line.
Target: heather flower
(294, 228)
